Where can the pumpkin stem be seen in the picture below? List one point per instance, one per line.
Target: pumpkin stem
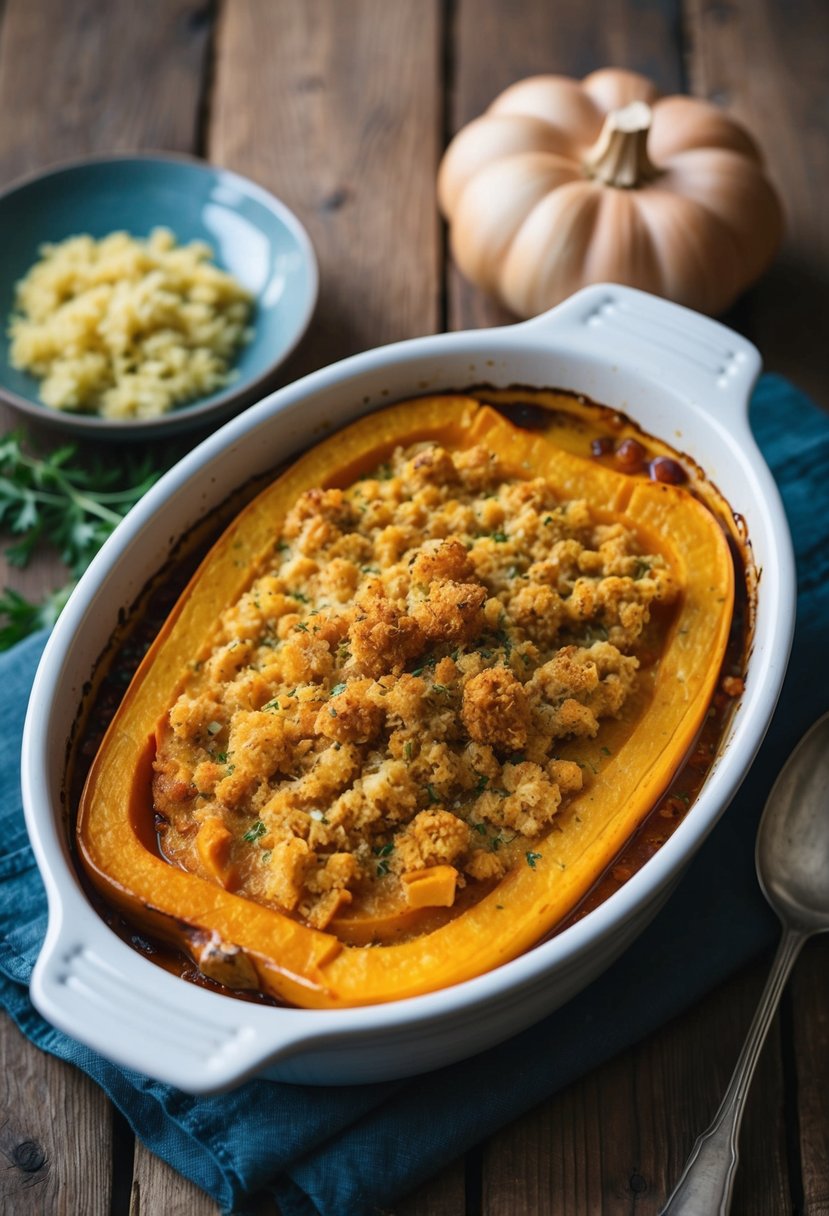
(619, 156)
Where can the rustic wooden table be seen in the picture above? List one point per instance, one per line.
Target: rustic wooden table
(342, 108)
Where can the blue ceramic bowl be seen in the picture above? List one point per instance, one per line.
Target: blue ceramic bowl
(253, 236)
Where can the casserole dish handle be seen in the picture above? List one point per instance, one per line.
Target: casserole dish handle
(94, 987)
(700, 359)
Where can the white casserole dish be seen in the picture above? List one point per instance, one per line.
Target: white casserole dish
(682, 377)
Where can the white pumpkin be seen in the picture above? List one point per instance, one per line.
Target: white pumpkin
(563, 183)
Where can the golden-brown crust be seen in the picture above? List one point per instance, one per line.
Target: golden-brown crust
(389, 696)
(496, 710)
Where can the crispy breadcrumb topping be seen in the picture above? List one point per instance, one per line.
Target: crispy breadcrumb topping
(384, 707)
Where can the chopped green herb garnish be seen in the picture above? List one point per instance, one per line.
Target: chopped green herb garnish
(505, 641)
(254, 833)
(434, 796)
(336, 690)
(532, 858)
(499, 537)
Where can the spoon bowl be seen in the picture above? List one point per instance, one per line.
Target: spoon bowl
(792, 853)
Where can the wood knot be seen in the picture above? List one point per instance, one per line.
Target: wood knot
(28, 1156)
(637, 1183)
(335, 200)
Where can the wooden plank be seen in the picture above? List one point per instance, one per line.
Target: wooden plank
(55, 1134)
(444, 1195)
(156, 1187)
(765, 62)
(497, 42)
(810, 1015)
(92, 77)
(336, 108)
(616, 1141)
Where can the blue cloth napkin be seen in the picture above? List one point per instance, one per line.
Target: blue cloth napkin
(330, 1151)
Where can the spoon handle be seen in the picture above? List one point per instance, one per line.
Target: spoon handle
(705, 1186)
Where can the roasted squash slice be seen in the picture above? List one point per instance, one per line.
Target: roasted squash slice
(246, 944)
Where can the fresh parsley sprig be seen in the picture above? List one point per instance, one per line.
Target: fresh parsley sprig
(62, 500)
(20, 616)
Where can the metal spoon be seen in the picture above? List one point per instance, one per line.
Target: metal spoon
(792, 859)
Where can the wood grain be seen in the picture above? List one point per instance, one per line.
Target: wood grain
(615, 1142)
(444, 1195)
(55, 1134)
(118, 76)
(336, 108)
(765, 62)
(810, 1015)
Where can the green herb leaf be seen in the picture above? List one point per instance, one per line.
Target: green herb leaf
(255, 832)
(532, 858)
(71, 503)
(21, 616)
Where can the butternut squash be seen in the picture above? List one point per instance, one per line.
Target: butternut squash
(245, 944)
